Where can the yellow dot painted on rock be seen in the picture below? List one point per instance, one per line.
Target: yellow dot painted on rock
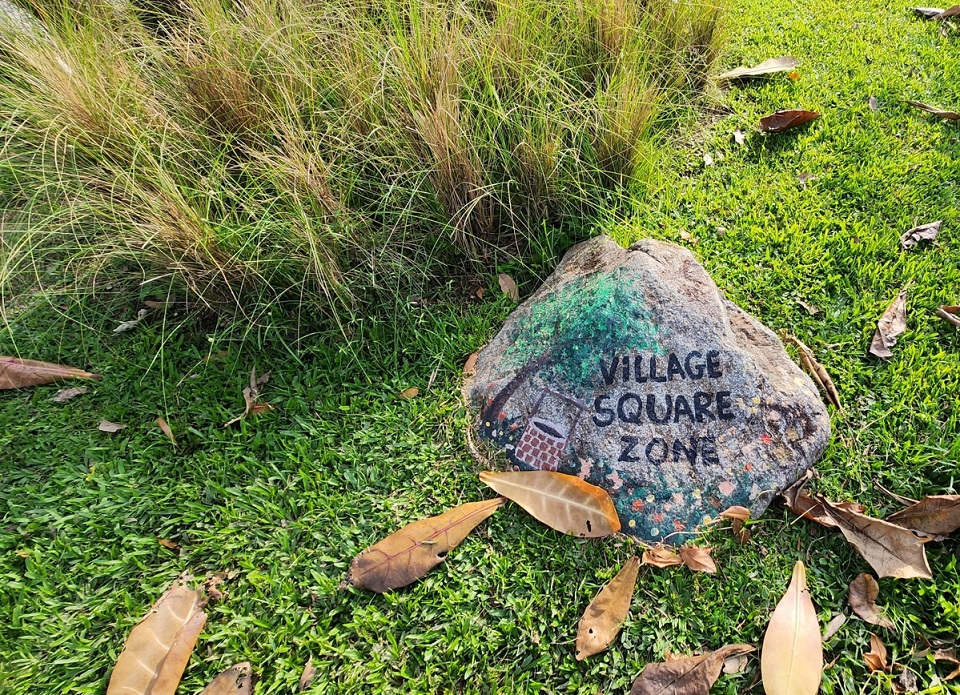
(632, 523)
(487, 424)
(708, 519)
(651, 498)
(696, 493)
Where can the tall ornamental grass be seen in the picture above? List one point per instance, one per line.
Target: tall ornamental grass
(286, 150)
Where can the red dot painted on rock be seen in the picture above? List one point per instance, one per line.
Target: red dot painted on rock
(638, 505)
(658, 518)
(748, 467)
(502, 416)
(766, 438)
(679, 525)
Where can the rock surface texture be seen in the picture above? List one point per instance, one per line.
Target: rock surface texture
(630, 369)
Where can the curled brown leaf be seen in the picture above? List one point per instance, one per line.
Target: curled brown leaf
(785, 120)
(862, 598)
(890, 326)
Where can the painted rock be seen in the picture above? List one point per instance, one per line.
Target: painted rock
(630, 369)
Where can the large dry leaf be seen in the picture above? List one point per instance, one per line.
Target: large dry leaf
(306, 678)
(937, 515)
(16, 373)
(863, 600)
(939, 113)
(693, 675)
(890, 326)
(251, 396)
(803, 505)
(817, 372)
(891, 550)
(236, 680)
(159, 646)
(785, 120)
(953, 11)
(950, 313)
(791, 662)
(604, 617)
(562, 502)
(767, 67)
(661, 557)
(698, 559)
(408, 554)
(876, 658)
(508, 286)
(925, 232)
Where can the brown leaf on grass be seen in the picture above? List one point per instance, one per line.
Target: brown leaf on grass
(767, 67)
(661, 557)
(736, 512)
(791, 661)
(409, 393)
(925, 232)
(948, 655)
(740, 532)
(785, 120)
(306, 678)
(562, 502)
(251, 397)
(937, 515)
(408, 554)
(603, 618)
(817, 372)
(110, 427)
(908, 681)
(862, 598)
(169, 544)
(159, 646)
(697, 559)
(64, 395)
(950, 313)
(811, 309)
(165, 428)
(890, 326)
(16, 373)
(928, 12)
(834, 626)
(939, 113)
(953, 11)
(803, 505)
(692, 675)
(735, 664)
(876, 658)
(892, 551)
(236, 680)
(509, 287)
(470, 366)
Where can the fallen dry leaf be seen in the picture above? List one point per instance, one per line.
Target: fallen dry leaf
(767, 67)
(168, 544)
(409, 393)
(130, 325)
(793, 75)
(251, 397)
(785, 120)
(470, 366)
(908, 681)
(508, 286)
(791, 661)
(165, 428)
(831, 628)
(817, 372)
(892, 551)
(950, 313)
(739, 138)
(876, 658)
(110, 427)
(740, 532)
(735, 664)
(890, 326)
(953, 11)
(928, 12)
(697, 559)
(64, 395)
(939, 113)
(211, 587)
(937, 515)
(872, 103)
(408, 554)
(692, 675)
(16, 373)
(661, 557)
(562, 502)
(236, 680)
(736, 512)
(862, 599)
(159, 646)
(811, 309)
(603, 618)
(154, 304)
(306, 678)
(948, 655)
(925, 232)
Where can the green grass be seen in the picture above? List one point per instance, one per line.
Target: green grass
(282, 502)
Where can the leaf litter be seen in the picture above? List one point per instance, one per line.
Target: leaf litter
(863, 600)
(791, 660)
(925, 232)
(693, 675)
(817, 372)
(251, 397)
(603, 618)
(767, 67)
(16, 373)
(785, 120)
(891, 326)
(236, 680)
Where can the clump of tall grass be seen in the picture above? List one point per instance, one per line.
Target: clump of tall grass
(264, 150)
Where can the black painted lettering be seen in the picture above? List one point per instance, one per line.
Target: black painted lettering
(624, 414)
(694, 371)
(681, 407)
(653, 371)
(701, 406)
(626, 367)
(708, 450)
(604, 416)
(679, 448)
(652, 409)
(609, 374)
(638, 374)
(628, 444)
(724, 405)
(674, 368)
(713, 364)
(661, 455)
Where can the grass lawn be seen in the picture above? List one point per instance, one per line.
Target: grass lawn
(282, 502)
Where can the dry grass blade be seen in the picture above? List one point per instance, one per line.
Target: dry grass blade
(891, 550)
(950, 313)
(236, 680)
(876, 658)
(159, 646)
(698, 559)
(16, 373)
(791, 662)
(939, 113)
(890, 326)
(767, 67)
(817, 372)
(862, 598)
(604, 617)
(405, 556)
(693, 675)
(562, 502)
(251, 397)
(785, 120)
(661, 557)
(937, 515)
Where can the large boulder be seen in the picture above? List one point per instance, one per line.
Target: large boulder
(631, 370)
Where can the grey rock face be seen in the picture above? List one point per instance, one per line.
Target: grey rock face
(629, 369)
